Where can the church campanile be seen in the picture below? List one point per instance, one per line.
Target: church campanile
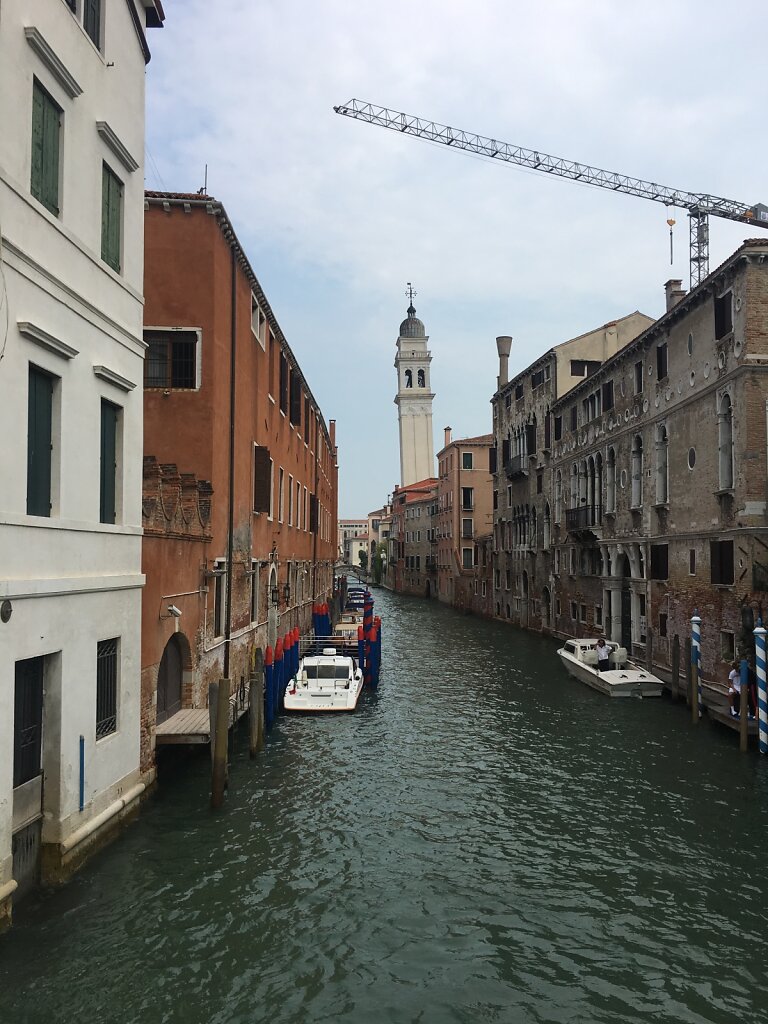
(414, 400)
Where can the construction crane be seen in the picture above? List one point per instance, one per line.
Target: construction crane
(699, 205)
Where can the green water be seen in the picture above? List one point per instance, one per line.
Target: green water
(485, 840)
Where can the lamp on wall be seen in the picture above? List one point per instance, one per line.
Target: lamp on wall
(275, 594)
(287, 592)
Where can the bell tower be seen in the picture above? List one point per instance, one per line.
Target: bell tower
(414, 399)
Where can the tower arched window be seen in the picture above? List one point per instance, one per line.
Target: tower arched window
(637, 471)
(725, 442)
(409, 378)
(662, 465)
(420, 378)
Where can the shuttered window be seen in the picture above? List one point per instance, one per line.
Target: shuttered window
(46, 132)
(312, 514)
(721, 561)
(111, 217)
(109, 415)
(295, 414)
(262, 479)
(39, 440)
(92, 20)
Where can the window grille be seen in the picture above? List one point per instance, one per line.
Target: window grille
(106, 688)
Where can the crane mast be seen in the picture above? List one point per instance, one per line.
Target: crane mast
(700, 206)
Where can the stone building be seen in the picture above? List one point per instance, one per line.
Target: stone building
(410, 565)
(525, 429)
(72, 85)
(657, 479)
(350, 528)
(481, 596)
(465, 510)
(226, 404)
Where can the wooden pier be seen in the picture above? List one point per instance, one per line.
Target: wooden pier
(193, 725)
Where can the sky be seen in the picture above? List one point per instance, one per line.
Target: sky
(336, 216)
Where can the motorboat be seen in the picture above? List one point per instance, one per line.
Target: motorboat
(325, 682)
(345, 632)
(624, 678)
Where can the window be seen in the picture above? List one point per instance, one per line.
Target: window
(283, 383)
(574, 417)
(280, 495)
(721, 562)
(662, 465)
(39, 442)
(598, 615)
(466, 528)
(258, 321)
(108, 474)
(725, 442)
(106, 687)
(662, 624)
(558, 428)
(508, 580)
(539, 482)
(306, 420)
(467, 498)
(297, 520)
(111, 217)
(723, 315)
(661, 361)
(574, 610)
(420, 382)
(262, 472)
(610, 481)
(171, 359)
(638, 378)
(691, 561)
(290, 500)
(519, 390)
(537, 378)
(483, 589)
(607, 395)
(92, 20)
(46, 145)
(28, 720)
(466, 460)
(296, 395)
(659, 561)
(727, 646)
(584, 367)
(637, 471)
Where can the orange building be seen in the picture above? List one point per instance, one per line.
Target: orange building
(240, 497)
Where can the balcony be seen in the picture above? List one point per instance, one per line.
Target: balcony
(516, 466)
(585, 518)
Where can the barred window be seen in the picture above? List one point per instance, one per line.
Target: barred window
(106, 687)
(171, 359)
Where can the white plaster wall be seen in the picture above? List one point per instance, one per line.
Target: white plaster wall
(72, 581)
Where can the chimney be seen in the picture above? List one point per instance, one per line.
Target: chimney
(447, 436)
(503, 347)
(332, 431)
(674, 291)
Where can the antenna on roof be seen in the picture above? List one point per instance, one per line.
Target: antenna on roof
(204, 190)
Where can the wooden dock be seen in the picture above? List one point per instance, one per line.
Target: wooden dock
(193, 725)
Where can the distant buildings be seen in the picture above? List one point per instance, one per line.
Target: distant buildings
(72, 79)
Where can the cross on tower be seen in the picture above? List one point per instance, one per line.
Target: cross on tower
(410, 292)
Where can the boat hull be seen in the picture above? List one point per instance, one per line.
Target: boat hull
(617, 682)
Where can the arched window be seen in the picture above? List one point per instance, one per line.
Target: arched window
(610, 481)
(420, 378)
(409, 378)
(558, 496)
(574, 486)
(662, 465)
(534, 540)
(725, 442)
(547, 527)
(637, 471)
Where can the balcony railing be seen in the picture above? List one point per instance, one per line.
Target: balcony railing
(516, 466)
(584, 518)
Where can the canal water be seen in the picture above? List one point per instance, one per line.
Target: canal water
(485, 840)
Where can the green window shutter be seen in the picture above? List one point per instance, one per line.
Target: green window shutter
(111, 217)
(46, 129)
(92, 20)
(109, 414)
(39, 437)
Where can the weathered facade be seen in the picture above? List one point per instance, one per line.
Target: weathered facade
(657, 482)
(72, 83)
(228, 410)
(465, 510)
(410, 562)
(525, 430)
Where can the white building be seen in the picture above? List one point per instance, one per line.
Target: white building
(72, 76)
(414, 401)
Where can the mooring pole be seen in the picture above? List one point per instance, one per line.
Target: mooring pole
(256, 705)
(213, 703)
(219, 773)
(744, 706)
(696, 698)
(762, 687)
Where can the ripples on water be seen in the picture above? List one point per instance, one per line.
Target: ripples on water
(485, 840)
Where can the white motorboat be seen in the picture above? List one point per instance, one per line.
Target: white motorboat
(346, 629)
(623, 679)
(325, 682)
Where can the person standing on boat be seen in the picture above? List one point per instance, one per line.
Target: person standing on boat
(603, 653)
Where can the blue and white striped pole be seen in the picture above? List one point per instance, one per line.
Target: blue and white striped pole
(696, 649)
(762, 687)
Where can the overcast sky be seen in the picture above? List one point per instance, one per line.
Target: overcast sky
(336, 215)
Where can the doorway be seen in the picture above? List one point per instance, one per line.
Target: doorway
(169, 679)
(626, 604)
